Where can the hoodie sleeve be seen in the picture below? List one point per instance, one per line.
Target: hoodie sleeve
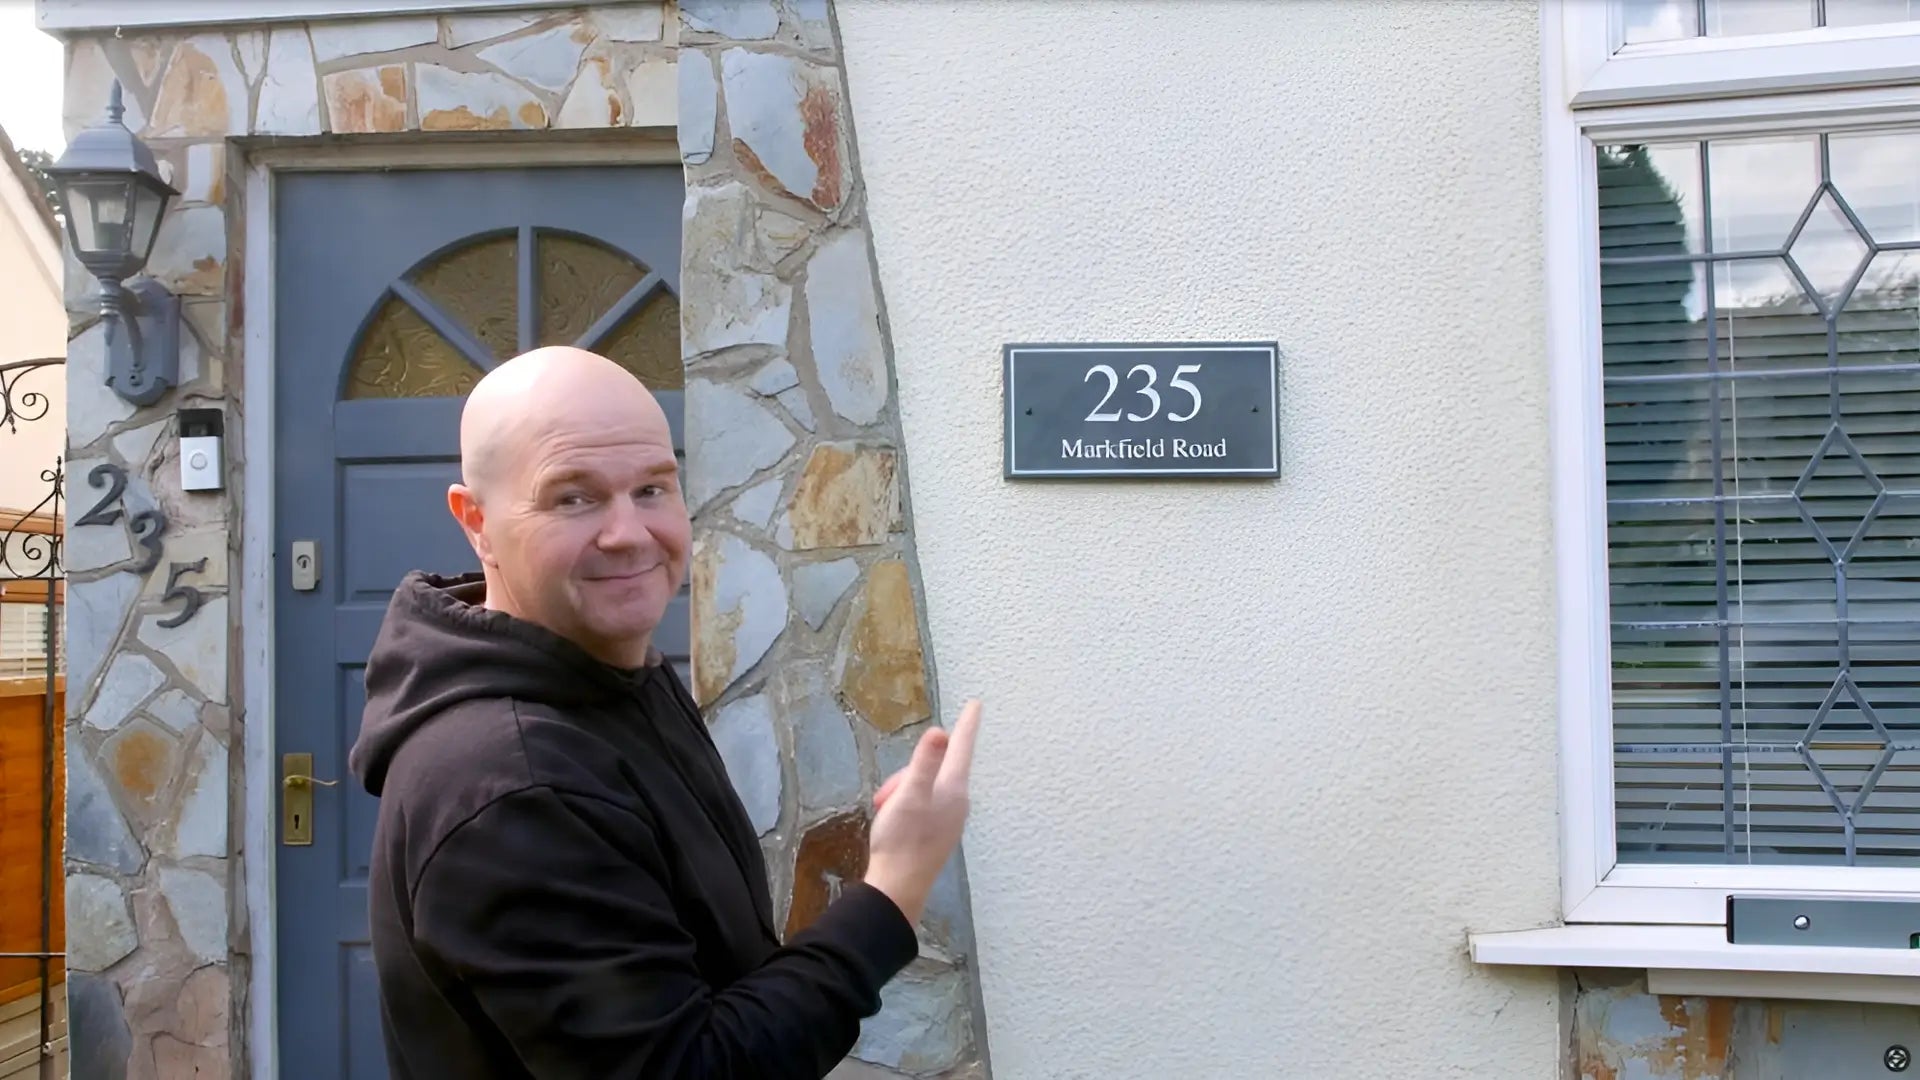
(550, 908)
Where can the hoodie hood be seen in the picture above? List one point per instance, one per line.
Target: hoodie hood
(439, 646)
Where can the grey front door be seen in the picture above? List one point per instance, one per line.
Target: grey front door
(393, 293)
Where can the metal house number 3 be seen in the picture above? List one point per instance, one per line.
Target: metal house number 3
(148, 527)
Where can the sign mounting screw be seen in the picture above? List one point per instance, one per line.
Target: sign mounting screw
(1801, 922)
(1898, 1058)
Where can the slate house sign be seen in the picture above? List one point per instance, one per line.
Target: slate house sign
(1175, 411)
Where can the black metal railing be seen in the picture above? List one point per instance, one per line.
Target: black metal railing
(30, 542)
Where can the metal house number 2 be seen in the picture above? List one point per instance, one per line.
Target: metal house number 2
(148, 527)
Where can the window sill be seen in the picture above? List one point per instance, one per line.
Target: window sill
(1697, 960)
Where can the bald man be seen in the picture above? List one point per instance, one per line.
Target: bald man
(563, 882)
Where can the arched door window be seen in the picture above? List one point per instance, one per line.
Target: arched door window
(459, 312)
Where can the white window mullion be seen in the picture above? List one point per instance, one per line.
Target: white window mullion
(1775, 114)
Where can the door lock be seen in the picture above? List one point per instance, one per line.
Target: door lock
(306, 565)
(296, 798)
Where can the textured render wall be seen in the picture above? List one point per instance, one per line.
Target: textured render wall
(1256, 756)
(809, 651)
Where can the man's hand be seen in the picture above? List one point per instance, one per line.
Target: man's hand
(919, 814)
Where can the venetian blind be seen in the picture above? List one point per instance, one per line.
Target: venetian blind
(23, 640)
(1762, 425)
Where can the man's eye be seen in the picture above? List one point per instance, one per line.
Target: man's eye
(571, 498)
(651, 491)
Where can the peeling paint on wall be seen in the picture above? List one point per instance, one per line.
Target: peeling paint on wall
(1621, 1032)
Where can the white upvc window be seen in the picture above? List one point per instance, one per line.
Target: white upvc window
(1732, 214)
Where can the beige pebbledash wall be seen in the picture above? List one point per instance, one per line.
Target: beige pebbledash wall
(33, 325)
(1257, 756)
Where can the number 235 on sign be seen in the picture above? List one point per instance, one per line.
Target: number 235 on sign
(1141, 410)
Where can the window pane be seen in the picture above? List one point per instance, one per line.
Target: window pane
(1650, 201)
(1735, 18)
(648, 343)
(1760, 188)
(1660, 20)
(1829, 252)
(399, 355)
(1874, 173)
(478, 285)
(1869, 12)
(1646, 21)
(580, 282)
(1763, 488)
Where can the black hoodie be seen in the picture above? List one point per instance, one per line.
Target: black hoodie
(563, 882)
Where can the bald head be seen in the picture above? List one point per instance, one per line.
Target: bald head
(571, 499)
(543, 392)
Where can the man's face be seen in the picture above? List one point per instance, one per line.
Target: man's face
(586, 533)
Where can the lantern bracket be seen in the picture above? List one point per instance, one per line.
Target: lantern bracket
(143, 339)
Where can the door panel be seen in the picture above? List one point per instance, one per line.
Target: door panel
(387, 539)
(394, 292)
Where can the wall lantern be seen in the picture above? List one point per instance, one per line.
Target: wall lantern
(115, 200)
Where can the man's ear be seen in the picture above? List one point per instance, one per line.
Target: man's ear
(465, 506)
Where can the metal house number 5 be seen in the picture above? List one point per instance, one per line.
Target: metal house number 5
(190, 597)
(148, 527)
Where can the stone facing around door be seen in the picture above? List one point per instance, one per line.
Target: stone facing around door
(811, 658)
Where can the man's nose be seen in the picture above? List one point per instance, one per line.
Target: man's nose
(624, 526)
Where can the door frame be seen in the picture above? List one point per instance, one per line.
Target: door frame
(259, 840)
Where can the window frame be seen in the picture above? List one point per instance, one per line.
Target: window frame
(1644, 93)
(1600, 69)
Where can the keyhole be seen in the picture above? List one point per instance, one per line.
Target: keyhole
(296, 821)
(303, 562)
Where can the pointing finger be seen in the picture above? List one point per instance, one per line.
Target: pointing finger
(958, 764)
(925, 764)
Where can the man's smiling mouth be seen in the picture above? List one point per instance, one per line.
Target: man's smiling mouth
(628, 575)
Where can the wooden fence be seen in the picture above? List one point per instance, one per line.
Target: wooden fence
(33, 800)
(30, 881)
